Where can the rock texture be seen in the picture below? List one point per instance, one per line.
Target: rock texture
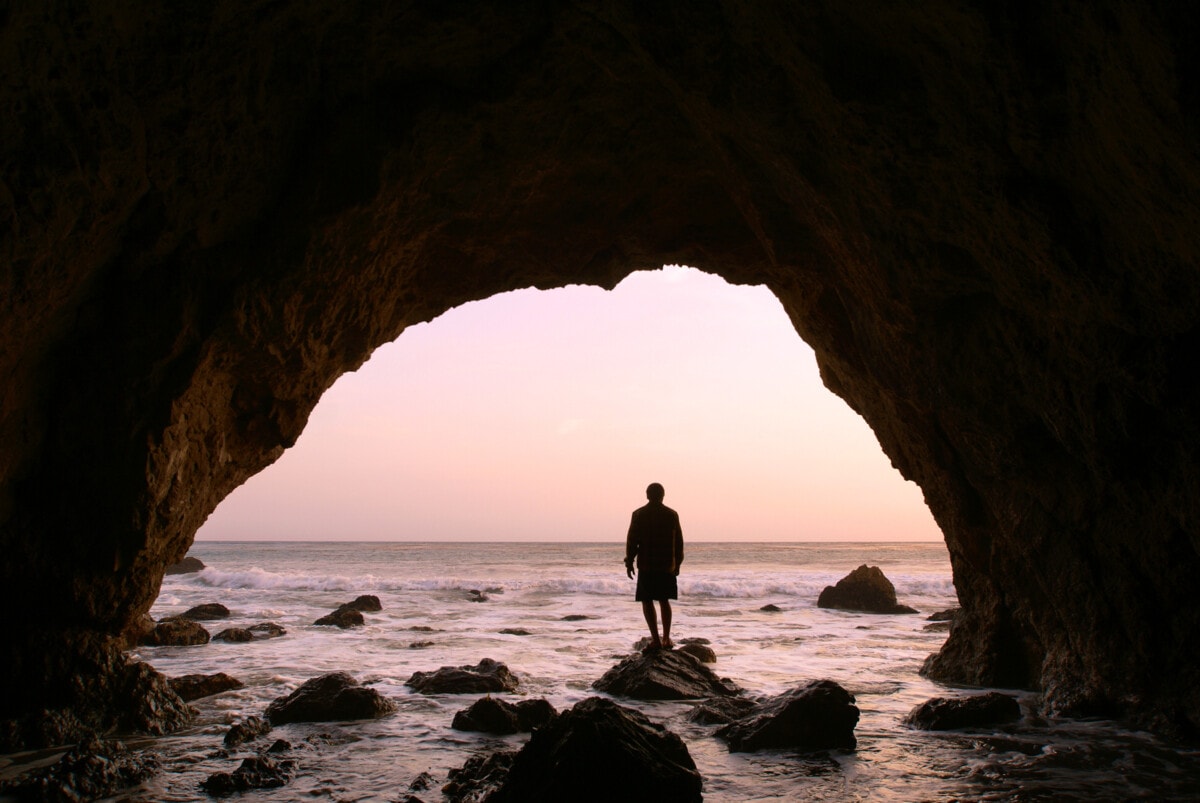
(820, 715)
(663, 675)
(974, 711)
(334, 697)
(193, 687)
(493, 715)
(484, 678)
(982, 218)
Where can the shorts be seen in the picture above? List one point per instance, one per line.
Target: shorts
(656, 584)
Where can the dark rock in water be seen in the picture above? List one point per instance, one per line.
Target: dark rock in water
(256, 772)
(137, 632)
(423, 629)
(207, 611)
(176, 633)
(153, 706)
(721, 710)
(421, 645)
(267, 630)
(575, 617)
(479, 777)
(492, 715)
(937, 627)
(701, 652)
(818, 716)
(663, 675)
(515, 631)
(944, 616)
(695, 640)
(865, 589)
(234, 635)
(976, 711)
(599, 750)
(422, 782)
(485, 677)
(329, 698)
(188, 565)
(247, 730)
(475, 595)
(367, 603)
(343, 618)
(193, 687)
(92, 770)
(770, 608)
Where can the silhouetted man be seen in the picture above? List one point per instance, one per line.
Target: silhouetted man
(656, 540)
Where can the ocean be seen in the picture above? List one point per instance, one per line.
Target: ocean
(429, 620)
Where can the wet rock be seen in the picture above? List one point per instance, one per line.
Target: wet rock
(92, 770)
(575, 617)
(948, 615)
(366, 603)
(256, 772)
(193, 687)
(485, 677)
(188, 565)
(175, 632)
(267, 630)
(421, 645)
(205, 612)
(663, 675)
(475, 595)
(137, 632)
(771, 608)
(343, 618)
(247, 730)
(333, 697)
(422, 782)
(515, 631)
(975, 711)
(234, 635)
(820, 715)
(701, 652)
(479, 777)
(865, 589)
(492, 715)
(721, 710)
(599, 750)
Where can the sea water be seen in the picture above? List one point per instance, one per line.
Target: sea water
(431, 619)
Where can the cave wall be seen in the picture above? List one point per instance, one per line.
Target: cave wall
(984, 222)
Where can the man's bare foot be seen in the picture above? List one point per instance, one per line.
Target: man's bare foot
(655, 644)
(667, 644)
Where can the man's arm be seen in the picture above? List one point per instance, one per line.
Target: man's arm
(678, 544)
(631, 545)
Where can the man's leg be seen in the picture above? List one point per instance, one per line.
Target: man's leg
(666, 619)
(652, 621)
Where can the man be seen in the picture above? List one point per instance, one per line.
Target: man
(656, 540)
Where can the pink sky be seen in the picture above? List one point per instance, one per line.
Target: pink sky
(542, 416)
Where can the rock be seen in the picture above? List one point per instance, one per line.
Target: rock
(478, 778)
(515, 631)
(138, 631)
(366, 603)
(599, 750)
(944, 616)
(92, 770)
(818, 716)
(575, 617)
(267, 630)
(771, 608)
(234, 635)
(663, 675)
(256, 772)
(334, 697)
(702, 653)
(207, 611)
(865, 589)
(247, 730)
(343, 618)
(492, 715)
(721, 710)
(475, 595)
(193, 687)
(188, 565)
(176, 633)
(421, 645)
(485, 677)
(975, 711)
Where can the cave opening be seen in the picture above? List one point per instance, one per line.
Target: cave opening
(537, 415)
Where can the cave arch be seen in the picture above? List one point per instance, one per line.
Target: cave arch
(985, 228)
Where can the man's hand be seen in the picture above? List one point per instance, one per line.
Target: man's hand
(629, 569)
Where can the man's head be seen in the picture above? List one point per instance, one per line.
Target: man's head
(655, 492)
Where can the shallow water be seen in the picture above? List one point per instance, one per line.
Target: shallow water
(533, 587)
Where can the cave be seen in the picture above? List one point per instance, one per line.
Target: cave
(983, 219)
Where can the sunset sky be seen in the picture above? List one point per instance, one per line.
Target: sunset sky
(542, 416)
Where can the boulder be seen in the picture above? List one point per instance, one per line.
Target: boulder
(236, 635)
(366, 603)
(92, 770)
(515, 631)
(599, 750)
(721, 710)
(343, 618)
(479, 777)
(256, 772)
(333, 697)
(701, 652)
(485, 677)
(205, 612)
(188, 565)
(575, 617)
(492, 715)
(663, 675)
(975, 711)
(193, 687)
(267, 630)
(865, 589)
(820, 715)
(771, 608)
(175, 632)
(247, 730)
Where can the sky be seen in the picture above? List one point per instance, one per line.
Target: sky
(543, 415)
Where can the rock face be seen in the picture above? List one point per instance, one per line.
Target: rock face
(975, 711)
(599, 750)
(984, 228)
(820, 715)
(864, 589)
(89, 771)
(663, 675)
(334, 697)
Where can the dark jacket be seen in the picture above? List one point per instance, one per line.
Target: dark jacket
(655, 539)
